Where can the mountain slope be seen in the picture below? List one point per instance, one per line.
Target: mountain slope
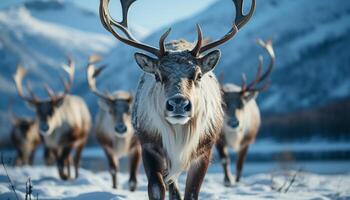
(42, 47)
(310, 40)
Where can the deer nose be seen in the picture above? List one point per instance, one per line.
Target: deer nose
(233, 123)
(178, 104)
(120, 128)
(44, 126)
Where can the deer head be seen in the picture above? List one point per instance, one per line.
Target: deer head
(45, 108)
(178, 73)
(236, 98)
(20, 125)
(117, 105)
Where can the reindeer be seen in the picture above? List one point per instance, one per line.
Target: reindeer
(64, 120)
(177, 110)
(114, 130)
(25, 138)
(242, 116)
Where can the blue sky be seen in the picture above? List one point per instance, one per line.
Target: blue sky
(151, 14)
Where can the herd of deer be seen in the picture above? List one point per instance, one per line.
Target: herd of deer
(178, 113)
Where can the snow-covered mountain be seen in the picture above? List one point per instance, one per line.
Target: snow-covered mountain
(310, 39)
(40, 34)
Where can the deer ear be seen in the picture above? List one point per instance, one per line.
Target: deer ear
(59, 102)
(146, 63)
(247, 96)
(209, 61)
(129, 100)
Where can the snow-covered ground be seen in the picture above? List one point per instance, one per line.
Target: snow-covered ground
(276, 185)
(264, 177)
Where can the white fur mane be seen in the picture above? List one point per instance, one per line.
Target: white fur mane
(179, 141)
(234, 136)
(73, 113)
(105, 125)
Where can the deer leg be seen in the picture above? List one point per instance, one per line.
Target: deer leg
(225, 161)
(240, 161)
(174, 192)
(68, 165)
(31, 157)
(196, 175)
(18, 161)
(154, 166)
(113, 165)
(19, 158)
(77, 157)
(61, 162)
(48, 156)
(134, 159)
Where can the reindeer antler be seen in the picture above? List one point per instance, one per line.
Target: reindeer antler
(70, 69)
(259, 76)
(109, 23)
(18, 78)
(21, 72)
(240, 21)
(92, 73)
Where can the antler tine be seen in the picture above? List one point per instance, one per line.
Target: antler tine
(258, 74)
(269, 48)
(125, 9)
(244, 83)
(49, 91)
(107, 22)
(124, 23)
(239, 22)
(195, 51)
(92, 73)
(264, 87)
(242, 19)
(261, 77)
(94, 58)
(70, 69)
(18, 78)
(224, 39)
(162, 49)
(30, 91)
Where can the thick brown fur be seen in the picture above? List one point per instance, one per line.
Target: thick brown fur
(25, 138)
(69, 128)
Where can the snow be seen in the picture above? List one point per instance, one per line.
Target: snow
(40, 34)
(42, 46)
(92, 185)
(309, 46)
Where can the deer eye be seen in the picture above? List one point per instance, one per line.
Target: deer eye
(199, 76)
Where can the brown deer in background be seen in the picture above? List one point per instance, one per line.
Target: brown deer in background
(242, 116)
(25, 138)
(177, 110)
(64, 120)
(113, 128)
